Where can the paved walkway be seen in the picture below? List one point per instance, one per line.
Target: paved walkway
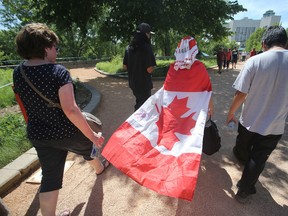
(113, 193)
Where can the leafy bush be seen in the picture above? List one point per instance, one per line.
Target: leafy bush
(162, 63)
(209, 62)
(115, 65)
(6, 93)
(13, 141)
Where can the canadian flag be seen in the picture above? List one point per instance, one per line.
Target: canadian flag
(160, 145)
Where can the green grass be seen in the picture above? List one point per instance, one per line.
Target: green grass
(6, 93)
(13, 141)
(164, 63)
(209, 62)
(115, 65)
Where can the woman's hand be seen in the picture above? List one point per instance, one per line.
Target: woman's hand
(98, 139)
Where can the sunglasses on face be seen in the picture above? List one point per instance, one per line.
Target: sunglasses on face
(56, 48)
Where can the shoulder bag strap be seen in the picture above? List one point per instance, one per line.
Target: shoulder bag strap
(50, 102)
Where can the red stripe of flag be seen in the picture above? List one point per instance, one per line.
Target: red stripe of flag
(165, 174)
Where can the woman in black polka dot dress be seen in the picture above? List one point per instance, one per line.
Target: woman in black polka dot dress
(52, 131)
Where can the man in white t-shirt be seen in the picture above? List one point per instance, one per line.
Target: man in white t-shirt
(262, 88)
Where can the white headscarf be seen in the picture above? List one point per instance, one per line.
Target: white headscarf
(185, 53)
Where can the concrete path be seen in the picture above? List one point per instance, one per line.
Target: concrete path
(113, 193)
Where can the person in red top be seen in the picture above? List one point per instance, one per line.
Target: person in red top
(253, 52)
(220, 59)
(228, 58)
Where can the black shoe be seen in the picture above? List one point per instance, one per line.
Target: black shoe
(242, 197)
(252, 189)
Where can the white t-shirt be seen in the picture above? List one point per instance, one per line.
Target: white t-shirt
(265, 80)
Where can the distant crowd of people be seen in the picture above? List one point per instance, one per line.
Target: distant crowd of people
(226, 56)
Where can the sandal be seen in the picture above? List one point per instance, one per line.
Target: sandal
(105, 164)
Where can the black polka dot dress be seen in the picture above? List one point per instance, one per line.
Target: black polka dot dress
(44, 123)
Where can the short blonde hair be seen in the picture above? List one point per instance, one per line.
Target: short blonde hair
(32, 40)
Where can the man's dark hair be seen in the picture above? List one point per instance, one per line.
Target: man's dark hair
(275, 36)
(138, 41)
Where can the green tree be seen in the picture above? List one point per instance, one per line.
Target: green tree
(189, 17)
(2, 56)
(233, 44)
(166, 42)
(254, 41)
(7, 44)
(212, 46)
(116, 19)
(16, 13)
(71, 20)
(202, 19)
(68, 14)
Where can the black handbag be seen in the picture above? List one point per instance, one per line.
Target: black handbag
(211, 138)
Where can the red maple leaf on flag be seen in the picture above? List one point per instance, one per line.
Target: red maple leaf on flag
(170, 121)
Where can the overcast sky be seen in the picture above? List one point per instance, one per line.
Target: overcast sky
(256, 9)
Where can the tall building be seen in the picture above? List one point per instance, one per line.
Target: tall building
(245, 27)
(269, 19)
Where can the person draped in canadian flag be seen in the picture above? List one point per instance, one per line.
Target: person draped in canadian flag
(160, 145)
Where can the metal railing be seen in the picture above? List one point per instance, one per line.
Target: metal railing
(68, 62)
(65, 60)
(8, 84)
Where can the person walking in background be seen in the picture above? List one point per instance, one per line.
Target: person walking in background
(139, 60)
(262, 88)
(220, 59)
(253, 52)
(225, 58)
(243, 56)
(52, 131)
(235, 55)
(228, 58)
